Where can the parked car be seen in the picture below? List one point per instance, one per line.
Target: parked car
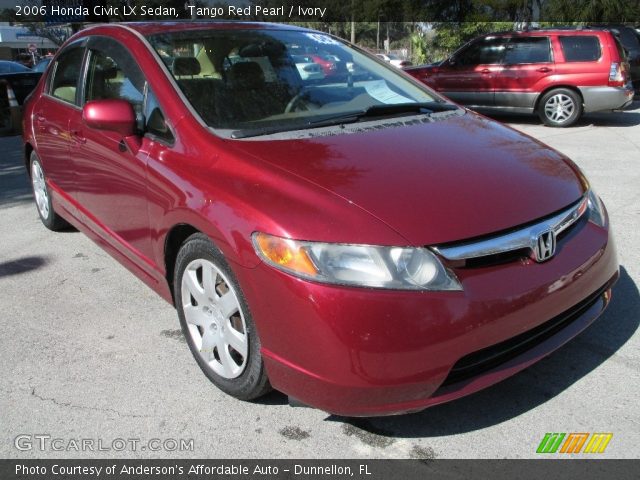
(326, 63)
(342, 241)
(394, 60)
(18, 81)
(22, 79)
(308, 68)
(558, 74)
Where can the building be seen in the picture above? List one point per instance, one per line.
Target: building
(16, 43)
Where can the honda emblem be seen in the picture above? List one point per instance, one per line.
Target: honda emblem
(545, 246)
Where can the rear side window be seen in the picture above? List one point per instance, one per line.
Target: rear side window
(528, 50)
(66, 75)
(580, 48)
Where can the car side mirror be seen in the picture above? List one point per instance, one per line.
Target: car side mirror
(114, 115)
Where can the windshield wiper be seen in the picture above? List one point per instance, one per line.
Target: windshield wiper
(374, 111)
(384, 110)
(417, 107)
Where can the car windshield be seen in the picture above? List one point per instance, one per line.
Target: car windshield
(263, 79)
(41, 66)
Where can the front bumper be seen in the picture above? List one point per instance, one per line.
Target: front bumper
(361, 352)
(598, 99)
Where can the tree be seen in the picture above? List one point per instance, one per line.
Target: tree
(8, 15)
(610, 11)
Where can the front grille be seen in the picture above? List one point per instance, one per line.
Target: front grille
(513, 244)
(479, 362)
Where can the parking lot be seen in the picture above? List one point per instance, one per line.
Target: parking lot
(89, 352)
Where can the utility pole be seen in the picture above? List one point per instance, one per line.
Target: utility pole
(353, 24)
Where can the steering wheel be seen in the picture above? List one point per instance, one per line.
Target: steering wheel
(298, 101)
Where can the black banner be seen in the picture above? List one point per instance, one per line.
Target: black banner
(330, 11)
(304, 469)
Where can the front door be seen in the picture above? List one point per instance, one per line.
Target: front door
(111, 178)
(469, 76)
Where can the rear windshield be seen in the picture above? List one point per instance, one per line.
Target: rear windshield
(580, 48)
(246, 79)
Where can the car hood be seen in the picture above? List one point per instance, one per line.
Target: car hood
(445, 180)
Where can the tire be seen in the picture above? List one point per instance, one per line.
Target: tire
(216, 320)
(560, 107)
(42, 196)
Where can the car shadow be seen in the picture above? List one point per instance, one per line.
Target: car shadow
(630, 117)
(528, 389)
(21, 265)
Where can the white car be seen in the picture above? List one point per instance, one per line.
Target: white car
(394, 60)
(308, 69)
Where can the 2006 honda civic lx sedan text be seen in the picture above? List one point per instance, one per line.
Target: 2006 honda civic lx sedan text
(355, 241)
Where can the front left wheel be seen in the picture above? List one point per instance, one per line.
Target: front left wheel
(42, 196)
(216, 321)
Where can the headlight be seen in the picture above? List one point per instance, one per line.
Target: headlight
(403, 268)
(597, 212)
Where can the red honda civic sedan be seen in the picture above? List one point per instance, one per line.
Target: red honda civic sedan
(358, 243)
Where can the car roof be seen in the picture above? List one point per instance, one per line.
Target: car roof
(151, 28)
(550, 31)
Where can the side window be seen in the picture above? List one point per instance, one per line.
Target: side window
(107, 79)
(580, 48)
(156, 124)
(484, 52)
(66, 74)
(528, 50)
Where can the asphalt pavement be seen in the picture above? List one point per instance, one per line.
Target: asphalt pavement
(89, 356)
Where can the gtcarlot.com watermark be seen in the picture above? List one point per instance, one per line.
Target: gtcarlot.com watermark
(44, 442)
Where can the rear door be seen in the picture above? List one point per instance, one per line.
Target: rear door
(52, 113)
(583, 60)
(528, 63)
(469, 76)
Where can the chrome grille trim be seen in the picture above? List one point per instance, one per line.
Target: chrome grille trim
(524, 238)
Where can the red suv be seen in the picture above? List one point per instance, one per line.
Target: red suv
(560, 74)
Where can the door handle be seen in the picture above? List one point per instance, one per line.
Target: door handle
(40, 121)
(77, 136)
(484, 71)
(544, 70)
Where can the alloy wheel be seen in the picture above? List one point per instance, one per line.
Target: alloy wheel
(40, 189)
(214, 318)
(559, 107)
